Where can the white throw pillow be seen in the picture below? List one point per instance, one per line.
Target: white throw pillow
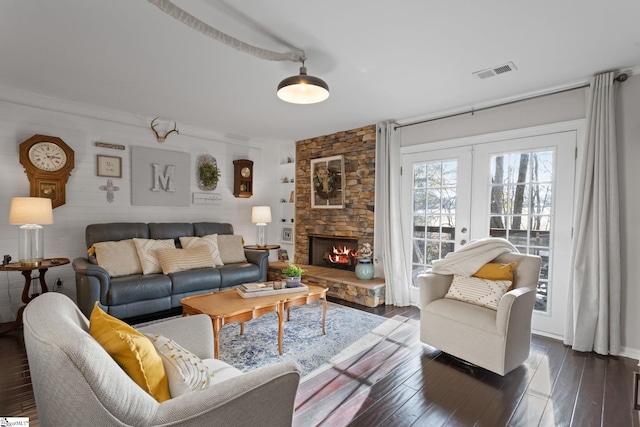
(146, 249)
(474, 290)
(174, 260)
(210, 241)
(118, 258)
(186, 372)
(231, 250)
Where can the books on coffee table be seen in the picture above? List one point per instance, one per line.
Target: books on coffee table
(269, 291)
(256, 287)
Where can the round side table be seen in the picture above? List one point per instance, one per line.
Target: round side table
(26, 270)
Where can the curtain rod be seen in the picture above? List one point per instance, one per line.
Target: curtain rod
(621, 78)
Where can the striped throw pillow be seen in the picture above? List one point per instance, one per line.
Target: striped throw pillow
(474, 290)
(174, 260)
(210, 241)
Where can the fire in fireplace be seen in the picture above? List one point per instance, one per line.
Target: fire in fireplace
(334, 252)
(342, 255)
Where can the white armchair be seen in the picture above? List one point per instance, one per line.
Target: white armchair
(76, 382)
(495, 340)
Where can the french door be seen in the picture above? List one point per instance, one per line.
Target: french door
(518, 188)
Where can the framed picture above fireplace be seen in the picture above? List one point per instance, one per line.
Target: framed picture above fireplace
(327, 183)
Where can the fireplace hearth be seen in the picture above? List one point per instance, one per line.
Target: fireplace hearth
(333, 252)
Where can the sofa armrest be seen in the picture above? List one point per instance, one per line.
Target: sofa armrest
(192, 332)
(264, 397)
(259, 258)
(432, 286)
(515, 308)
(92, 284)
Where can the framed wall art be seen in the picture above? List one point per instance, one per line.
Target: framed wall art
(160, 177)
(327, 183)
(287, 234)
(109, 166)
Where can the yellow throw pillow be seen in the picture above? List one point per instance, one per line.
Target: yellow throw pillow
(134, 352)
(496, 271)
(174, 260)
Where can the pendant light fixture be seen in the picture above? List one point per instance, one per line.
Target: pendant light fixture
(303, 89)
(300, 89)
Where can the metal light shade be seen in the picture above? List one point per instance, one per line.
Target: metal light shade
(30, 212)
(303, 89)
(260, 216)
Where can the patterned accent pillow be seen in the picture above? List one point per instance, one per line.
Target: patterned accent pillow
(147, 248)
(118, 258)
(474, 290)
(174, 260)
(133, 351)
(210, 241)
(185, 371)
(231, 250)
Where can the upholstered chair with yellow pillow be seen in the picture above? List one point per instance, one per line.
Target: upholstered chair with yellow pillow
(484, 319)
(117, 378)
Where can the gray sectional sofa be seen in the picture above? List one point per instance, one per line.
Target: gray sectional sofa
(141, 294)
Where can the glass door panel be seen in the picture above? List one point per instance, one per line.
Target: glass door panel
(431, 186)
(521, 207)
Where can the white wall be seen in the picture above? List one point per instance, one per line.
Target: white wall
(22, 115)
(558, 108)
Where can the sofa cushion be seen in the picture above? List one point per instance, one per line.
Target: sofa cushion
(460, 312)
(231, 250)
(185, 371)
(115, 231)
(170, 230)
(133, 351)
(496, 271)
(474, 290)
(201, 229)
(237, 274)
(203, 279)
(147, 248)
(137, 287)
(118, 258)
(210, 241)
(174, 260)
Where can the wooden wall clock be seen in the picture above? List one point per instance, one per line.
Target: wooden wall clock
(48, 162)
(243, 178)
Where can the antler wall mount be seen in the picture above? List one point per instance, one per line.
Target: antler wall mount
(161, 138)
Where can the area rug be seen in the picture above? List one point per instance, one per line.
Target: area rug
(348, 332)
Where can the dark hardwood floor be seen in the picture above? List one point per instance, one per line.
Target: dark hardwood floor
(403, 382)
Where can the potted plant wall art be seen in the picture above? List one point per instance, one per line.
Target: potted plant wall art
(327, 183)
(292, 276)
(207, 172)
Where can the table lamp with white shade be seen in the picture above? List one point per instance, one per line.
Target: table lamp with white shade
(261, 216)
(31, 213)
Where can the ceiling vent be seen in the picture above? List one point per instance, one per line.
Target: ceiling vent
(494, 71)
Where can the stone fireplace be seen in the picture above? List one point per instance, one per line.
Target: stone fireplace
(354, 221)
(333, 252)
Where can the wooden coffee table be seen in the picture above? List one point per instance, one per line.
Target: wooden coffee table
(227, 306)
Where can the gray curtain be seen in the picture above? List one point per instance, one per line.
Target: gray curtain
(388, 239)
(593, 315)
